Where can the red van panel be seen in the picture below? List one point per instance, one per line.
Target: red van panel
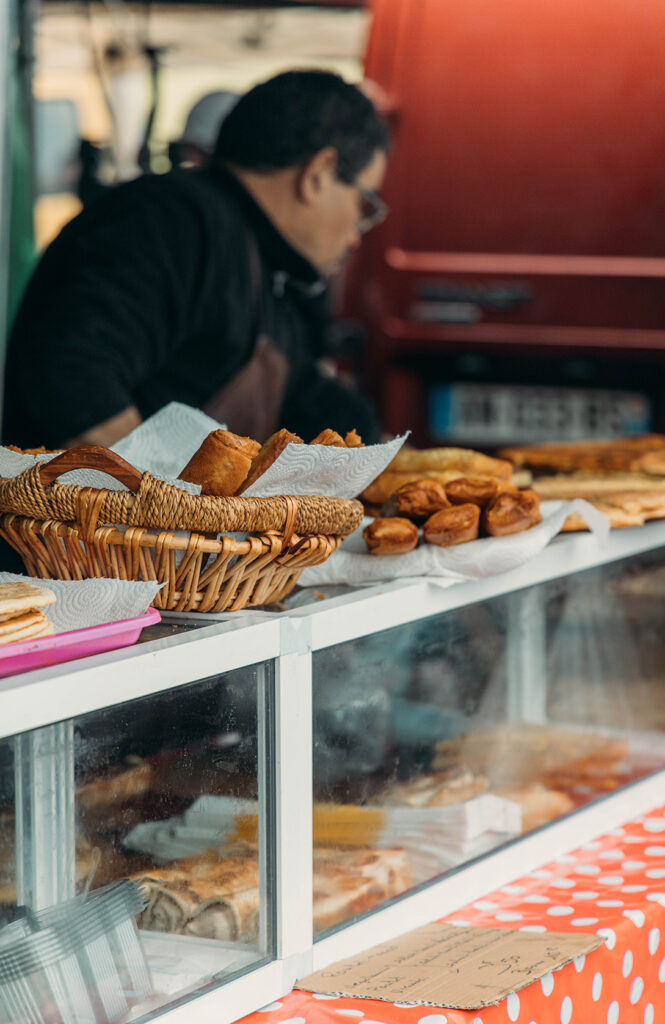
(527, 187)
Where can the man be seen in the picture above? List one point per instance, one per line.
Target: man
(207, 287)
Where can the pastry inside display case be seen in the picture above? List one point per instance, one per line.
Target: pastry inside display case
(471, 728)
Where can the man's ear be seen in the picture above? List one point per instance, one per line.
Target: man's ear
(315, 175)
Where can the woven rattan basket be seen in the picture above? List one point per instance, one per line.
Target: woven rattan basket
(155, 531)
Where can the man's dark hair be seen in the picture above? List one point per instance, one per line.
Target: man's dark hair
(283, 122)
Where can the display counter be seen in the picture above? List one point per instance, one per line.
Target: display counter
(291, 787)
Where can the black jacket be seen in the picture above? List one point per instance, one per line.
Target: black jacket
(147, 297)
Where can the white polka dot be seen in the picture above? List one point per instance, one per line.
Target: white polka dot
(562, 883)
(513, 1006)
(655, 873)
(611, 855)
(596, 986)
(636, 916)
(433, 1018)
(610, 903)
(648, 1013)
(459, 923)
(634, 840)
(535, 897)
(547, 983)
(655, 851)
(579, 962)
(270, 1007)
(657, 897)
(581, 922)
(661, 971)
(584, 895)
(509, 915)
(513, 890)
(560, 911)
(567, 858)
(477, 1020)
(654, 940)
(633, 888)
(533, 928)
(316, 995)
(296, 1020)
(566, 1010)
(406, 1006)
(610, 880)
(636, 990)
(351, 1013)
(486, 905)
(627, 965)
(633, 865)
(540, 873)
(587, 869)
(613, 1012)
(654, 825)
(372, 1021)
(609, 936)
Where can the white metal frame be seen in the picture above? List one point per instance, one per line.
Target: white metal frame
(43, 698)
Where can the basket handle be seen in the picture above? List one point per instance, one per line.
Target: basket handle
(91, 456)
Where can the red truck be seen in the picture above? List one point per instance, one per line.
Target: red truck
(517, 291)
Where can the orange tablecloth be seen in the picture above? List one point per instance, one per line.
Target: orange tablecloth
(614, 886)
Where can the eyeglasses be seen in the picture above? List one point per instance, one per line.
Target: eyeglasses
(373, 209)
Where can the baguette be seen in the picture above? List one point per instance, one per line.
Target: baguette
(464, 460)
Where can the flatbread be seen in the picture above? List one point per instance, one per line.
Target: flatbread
(24, 621)
(33, 632)
(19, 597)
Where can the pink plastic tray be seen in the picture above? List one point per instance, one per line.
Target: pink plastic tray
(77, 643)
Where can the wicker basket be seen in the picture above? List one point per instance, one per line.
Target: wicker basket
(68, 532)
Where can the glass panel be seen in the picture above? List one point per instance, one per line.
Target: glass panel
(438, 741)
(170, 792)
(7, 834)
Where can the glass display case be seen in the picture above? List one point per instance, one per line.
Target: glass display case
(290, 788)
(442, 739)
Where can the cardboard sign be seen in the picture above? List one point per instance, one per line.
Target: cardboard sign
(459, 968)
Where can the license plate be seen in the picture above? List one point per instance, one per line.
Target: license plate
(495, 413)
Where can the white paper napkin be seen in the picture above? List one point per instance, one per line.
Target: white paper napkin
(352, 563)
(165, 443)
(82, 603)
(322, 469)
(162, 445)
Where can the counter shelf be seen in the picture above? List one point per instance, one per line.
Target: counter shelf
(348, 700)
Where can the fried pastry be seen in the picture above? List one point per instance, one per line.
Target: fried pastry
(353, 439)
(391, 536)
(386, 483)
(512, 513)
(33, 451)
(454, 525)
(478, 490)
(329, 437)
(221, 463)
(273, 447)
(420, 498)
